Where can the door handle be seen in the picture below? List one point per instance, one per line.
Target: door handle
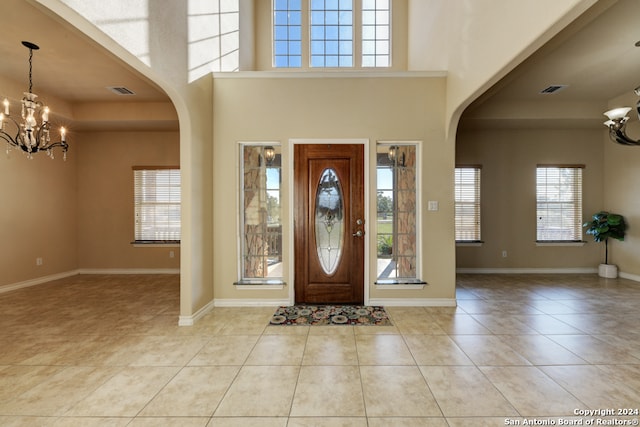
(358, 233)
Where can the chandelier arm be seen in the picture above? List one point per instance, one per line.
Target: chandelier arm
(16, 141)
(61, 144)
(620, 136)
(7, 138)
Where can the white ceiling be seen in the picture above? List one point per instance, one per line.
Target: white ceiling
(595, 56)
(68, 65)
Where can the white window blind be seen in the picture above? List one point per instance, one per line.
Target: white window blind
(559, 203)
(157, 204)
(467, 203)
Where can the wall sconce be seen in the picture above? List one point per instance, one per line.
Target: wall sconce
(617, 123)
(396, 156)
(269, 154)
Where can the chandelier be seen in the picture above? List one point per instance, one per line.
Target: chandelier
(617, 123)
(29, 135)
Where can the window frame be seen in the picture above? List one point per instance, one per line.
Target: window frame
(243, 279)
(417, 255)
(137, 204)
(476, 204)
(576, 199)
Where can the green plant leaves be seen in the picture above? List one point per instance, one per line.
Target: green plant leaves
(606, 225)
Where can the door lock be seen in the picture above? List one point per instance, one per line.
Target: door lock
(358, 233)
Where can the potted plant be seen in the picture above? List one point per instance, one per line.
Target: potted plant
(605, 225)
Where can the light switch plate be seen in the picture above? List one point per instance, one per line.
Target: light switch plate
(432, 205)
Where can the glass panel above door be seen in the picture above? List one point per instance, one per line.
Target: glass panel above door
(329, 221)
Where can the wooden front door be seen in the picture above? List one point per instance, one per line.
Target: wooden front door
(329, 223)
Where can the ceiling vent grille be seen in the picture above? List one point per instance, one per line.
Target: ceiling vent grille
(121, 90)
(552, 89)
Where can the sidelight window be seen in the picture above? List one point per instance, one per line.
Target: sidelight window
(261, 213)
(397, 222)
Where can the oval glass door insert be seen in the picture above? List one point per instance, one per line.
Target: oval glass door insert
(329, 221)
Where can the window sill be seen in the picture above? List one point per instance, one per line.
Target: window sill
(247, 285)
(156, 243)
(469, 243)
(396, 284)
(559, 243)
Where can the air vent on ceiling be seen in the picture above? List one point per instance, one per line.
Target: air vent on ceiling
(552, 89)
(121, 90)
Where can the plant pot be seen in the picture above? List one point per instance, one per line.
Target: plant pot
(608, 271)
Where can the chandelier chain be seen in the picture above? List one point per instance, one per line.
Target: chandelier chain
(30, 70)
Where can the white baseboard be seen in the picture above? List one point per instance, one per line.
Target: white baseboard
(37, 281)
(231, 302)
(580, 270)
(414, 302)
(224, 302)
(629, 276)
(129, 271)
(190, 320)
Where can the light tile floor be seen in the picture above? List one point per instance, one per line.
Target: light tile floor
(106, 351)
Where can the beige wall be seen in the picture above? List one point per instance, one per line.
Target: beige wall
(278, 109)
(509, 158)
(621, 195)
(78, 214)
(105, 198)
(38, 215)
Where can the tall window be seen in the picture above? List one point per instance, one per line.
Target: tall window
(331, 33)
(376, 33)
(396, 222)
(467, 203)
(331, 37)
(287, 33)
(157, 204)
(559, 203)
(261, 223)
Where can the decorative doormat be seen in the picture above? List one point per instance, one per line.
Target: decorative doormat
(331, 315)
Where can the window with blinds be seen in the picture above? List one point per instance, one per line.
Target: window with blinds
(559, 203)
(467, 203)
(157, 204)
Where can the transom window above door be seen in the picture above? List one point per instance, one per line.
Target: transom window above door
(331, 33)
